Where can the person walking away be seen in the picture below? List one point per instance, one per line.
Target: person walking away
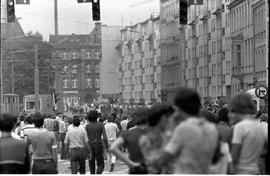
(194, 140)
(95, 130)
(224, 130)
(248, 142)
(151, 143)
(14, 154)
(44, 148)
(130, 138)
(62, 132)
(76, 142)
(264, 125)
(223, 162)
(124, 122)
(28, 128)
(111, 132)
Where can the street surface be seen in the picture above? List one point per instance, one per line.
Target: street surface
(120, 167)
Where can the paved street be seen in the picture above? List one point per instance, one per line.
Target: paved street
(120, 168)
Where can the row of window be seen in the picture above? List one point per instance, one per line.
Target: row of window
(74, 68)
(76, 55)
(74, 83)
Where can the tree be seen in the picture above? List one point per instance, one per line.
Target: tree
(21, 50)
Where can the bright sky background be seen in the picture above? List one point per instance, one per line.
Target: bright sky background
(76, 17)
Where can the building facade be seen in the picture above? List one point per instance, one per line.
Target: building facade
(77, 64)
(110, 38)
(139, 63)
(260, 29)
(170, 47)
(226, 48)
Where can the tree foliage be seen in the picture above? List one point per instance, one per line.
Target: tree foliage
(20, 51)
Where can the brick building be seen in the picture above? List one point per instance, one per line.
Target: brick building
(77, 64)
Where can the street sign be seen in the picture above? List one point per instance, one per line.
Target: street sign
(261, 92)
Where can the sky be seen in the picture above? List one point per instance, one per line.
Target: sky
(76, 17)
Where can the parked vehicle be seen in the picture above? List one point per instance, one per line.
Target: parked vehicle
(11, 104)
(45, 104)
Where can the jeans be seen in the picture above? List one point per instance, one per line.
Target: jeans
(77, 155)
(63, 148)
(97, 155)
(44, 166)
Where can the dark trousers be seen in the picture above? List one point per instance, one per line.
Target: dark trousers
(77, 155)
(63, 147)
(44, 166)
(97, 155)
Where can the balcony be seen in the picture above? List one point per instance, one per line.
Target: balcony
(238, 72)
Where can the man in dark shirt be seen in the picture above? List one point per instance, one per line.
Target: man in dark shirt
(130, 138)
(95, 130)
(14, 155)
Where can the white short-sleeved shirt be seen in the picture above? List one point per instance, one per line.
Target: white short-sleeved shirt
(111, 131)
(250, 135)
(193, 142)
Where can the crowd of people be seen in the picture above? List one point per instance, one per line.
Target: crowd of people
(178, 138)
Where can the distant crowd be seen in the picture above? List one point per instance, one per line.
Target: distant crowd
(182, 138)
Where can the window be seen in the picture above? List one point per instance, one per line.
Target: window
(74, 69)
(88, 68)
(89, 83)
(96, 83)
(74, 83)
(238, 55)
(65, 83)
(64, 55)
(97, 55)
(65, 69)
(74, 55)
(88, 55)
(97, 68)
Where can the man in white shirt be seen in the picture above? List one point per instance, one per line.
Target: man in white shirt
(248, 136)
(112, 131)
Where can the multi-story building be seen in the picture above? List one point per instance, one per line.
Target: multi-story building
(77, 64)
(140, 70)
(205, 60)
(226, 48)
(109, 76)
(259, 18)
(170, 49)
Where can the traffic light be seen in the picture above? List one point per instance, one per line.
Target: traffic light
(11, 11)
(96, 10)
(183, 12)
(82, 1)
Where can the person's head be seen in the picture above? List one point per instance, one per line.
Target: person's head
(92, 116)
(159, 114)
(223, 115)
(125, 117)
(209, 116)
(240, 106)
(188, 101)
(22, 117)
(114, 115)
(140, 115)
(110, 118)
(28, 119)
(7, 122)
(38, 119)
(76, 120)
(264, 117)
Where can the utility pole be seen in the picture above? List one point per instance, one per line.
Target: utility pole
(12, 77)
(36, 80)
